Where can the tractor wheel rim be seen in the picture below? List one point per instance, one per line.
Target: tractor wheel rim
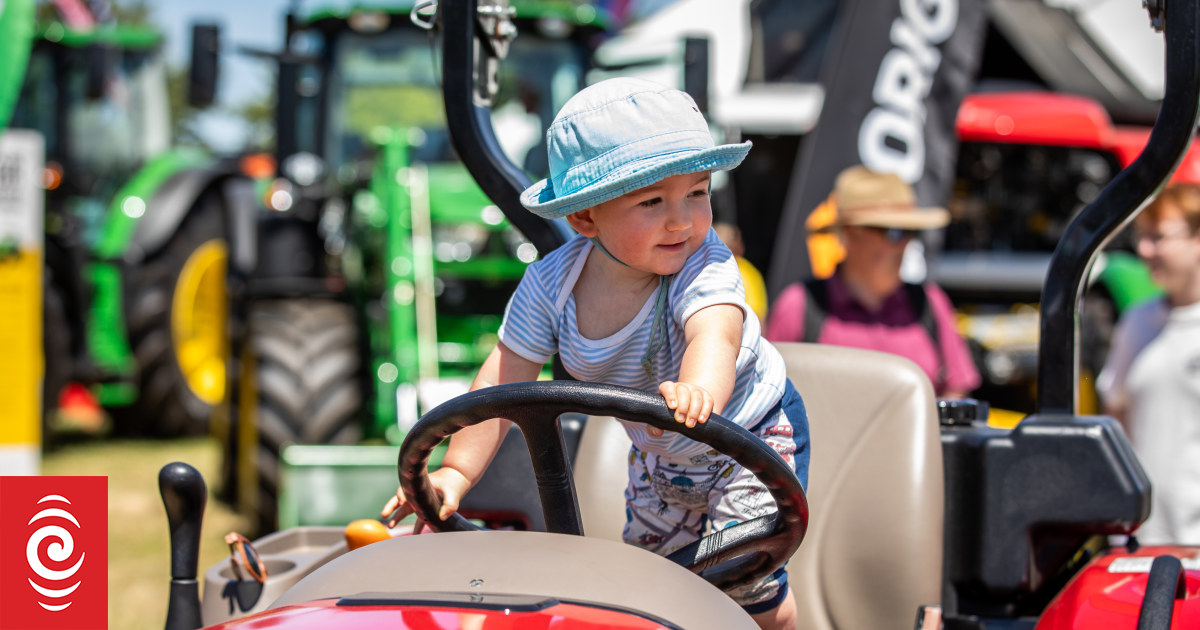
(198, 317)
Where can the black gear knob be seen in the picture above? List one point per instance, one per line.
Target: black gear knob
(184, 496)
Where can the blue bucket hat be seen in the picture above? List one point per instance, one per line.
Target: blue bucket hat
(620, 135)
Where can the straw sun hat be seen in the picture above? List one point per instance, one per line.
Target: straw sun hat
(620, 135)
(867, 198)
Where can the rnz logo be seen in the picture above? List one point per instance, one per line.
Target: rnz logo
(54, 586)
(54, 553)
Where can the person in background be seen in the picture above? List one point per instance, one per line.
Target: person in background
(752, 280)
(865, 304)
(1151, 379)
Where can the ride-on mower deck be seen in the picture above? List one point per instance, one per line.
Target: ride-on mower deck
(921, 512)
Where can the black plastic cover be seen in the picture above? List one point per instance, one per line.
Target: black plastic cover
(1021, 503)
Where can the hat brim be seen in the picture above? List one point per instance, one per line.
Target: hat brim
(915, 219)
(540, 198)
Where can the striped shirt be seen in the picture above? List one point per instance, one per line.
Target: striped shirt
(540, 321)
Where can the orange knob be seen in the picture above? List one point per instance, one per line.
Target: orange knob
(364, 532)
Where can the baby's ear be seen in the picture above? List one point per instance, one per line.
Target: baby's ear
(583, 222)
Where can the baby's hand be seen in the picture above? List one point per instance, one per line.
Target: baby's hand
(450, 485)
(692, 403)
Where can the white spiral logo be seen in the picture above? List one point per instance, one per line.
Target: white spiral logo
(59, 551)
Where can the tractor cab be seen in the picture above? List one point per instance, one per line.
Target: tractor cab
(373, 245)
(99, 97)
(117, 196)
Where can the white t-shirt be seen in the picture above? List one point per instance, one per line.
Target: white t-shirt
(1137, 328)
(1162, 398)
(540, 321)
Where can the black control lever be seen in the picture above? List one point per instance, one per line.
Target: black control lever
(184, 495)
(1114, 207)
(1166, 583)
(471, 132)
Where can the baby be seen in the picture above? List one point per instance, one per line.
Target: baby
(646, 296)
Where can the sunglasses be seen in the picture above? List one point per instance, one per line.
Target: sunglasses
(242, 555)
(893, 235)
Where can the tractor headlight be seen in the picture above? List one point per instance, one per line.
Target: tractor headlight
(280, 195)
(303, 168)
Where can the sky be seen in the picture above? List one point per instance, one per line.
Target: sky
(259, 24)
(249, 23)
(1119, 24)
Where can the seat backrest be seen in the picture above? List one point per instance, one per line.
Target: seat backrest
(873, 551)
(601, 476)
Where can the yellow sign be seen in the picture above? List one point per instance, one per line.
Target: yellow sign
(21, 362)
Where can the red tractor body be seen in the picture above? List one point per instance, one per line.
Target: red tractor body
(435, 612)
(1110, 591)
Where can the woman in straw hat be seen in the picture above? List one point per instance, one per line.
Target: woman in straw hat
(865, 304)
(646, 296)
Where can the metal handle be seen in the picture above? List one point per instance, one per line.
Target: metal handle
(1058, 355)
(1167, 582)
(471, 131)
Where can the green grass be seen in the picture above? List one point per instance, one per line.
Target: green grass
(139, 572)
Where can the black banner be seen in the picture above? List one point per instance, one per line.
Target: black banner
(894, 78)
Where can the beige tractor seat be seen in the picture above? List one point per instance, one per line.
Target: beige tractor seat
(873, 551)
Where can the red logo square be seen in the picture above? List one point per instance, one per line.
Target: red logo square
(53, 553)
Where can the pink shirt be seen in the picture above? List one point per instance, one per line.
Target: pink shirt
(894, 328)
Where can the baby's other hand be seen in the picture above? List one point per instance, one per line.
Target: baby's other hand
(449, 483)
(692, 404)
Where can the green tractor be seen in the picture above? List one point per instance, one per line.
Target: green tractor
(136, 236)
(381, 268)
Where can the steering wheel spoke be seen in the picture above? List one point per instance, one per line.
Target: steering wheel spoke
(552, 469)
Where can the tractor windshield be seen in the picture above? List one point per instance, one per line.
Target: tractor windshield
(103, 113)
(108, 135)
(391, 79)
(128, 124)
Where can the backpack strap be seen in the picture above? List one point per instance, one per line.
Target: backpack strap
(816, 306)
(918, 299)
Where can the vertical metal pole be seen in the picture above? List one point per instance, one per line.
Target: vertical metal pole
(471, 131)
(1058, 348)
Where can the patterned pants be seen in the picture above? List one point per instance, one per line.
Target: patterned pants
(670, 503)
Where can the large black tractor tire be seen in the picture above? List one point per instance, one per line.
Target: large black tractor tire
(168, 403)
(307, 386)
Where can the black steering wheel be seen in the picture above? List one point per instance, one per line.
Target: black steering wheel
(738, 555)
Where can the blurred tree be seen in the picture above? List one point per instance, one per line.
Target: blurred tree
(76, 13)
(371, 106)
(183, 115)
(259, 116)
(126, 12)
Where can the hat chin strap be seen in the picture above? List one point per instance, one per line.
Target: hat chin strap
(604, 250)
(658, 327)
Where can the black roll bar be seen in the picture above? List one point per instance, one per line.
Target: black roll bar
(1114, 207)
(471, 131)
